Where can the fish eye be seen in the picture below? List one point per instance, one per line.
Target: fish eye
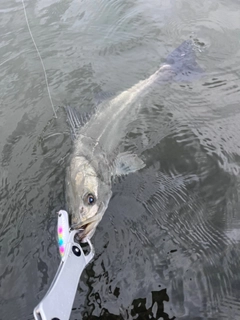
(90, 199)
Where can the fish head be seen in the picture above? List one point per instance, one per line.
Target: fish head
(88, 193)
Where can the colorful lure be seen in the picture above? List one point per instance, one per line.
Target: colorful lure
(58, 301)
(63, 231)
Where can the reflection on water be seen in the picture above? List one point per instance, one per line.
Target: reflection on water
(139, 309)
(168, 245)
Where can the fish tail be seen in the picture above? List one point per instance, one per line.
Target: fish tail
(183, 62)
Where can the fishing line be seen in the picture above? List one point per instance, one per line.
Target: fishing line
(44, 70)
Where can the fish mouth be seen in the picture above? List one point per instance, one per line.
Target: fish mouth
(85, 230)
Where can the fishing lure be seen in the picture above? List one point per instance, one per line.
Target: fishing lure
(63, 231)
(58, 301)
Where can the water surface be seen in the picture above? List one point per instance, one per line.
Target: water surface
(169, 244)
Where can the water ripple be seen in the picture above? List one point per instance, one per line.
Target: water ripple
(168, 245)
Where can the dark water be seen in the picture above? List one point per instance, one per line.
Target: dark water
(168, 246)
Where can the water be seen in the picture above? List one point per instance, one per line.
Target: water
(168, 245)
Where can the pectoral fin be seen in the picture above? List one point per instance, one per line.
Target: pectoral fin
(126, 163)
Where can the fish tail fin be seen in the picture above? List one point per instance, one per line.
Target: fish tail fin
(183, 62)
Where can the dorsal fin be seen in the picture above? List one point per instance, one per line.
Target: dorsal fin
(103, 96)
(76, 120)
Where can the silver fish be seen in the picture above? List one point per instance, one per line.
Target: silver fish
(96, 160)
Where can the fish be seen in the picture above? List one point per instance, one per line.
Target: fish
(97, 158)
